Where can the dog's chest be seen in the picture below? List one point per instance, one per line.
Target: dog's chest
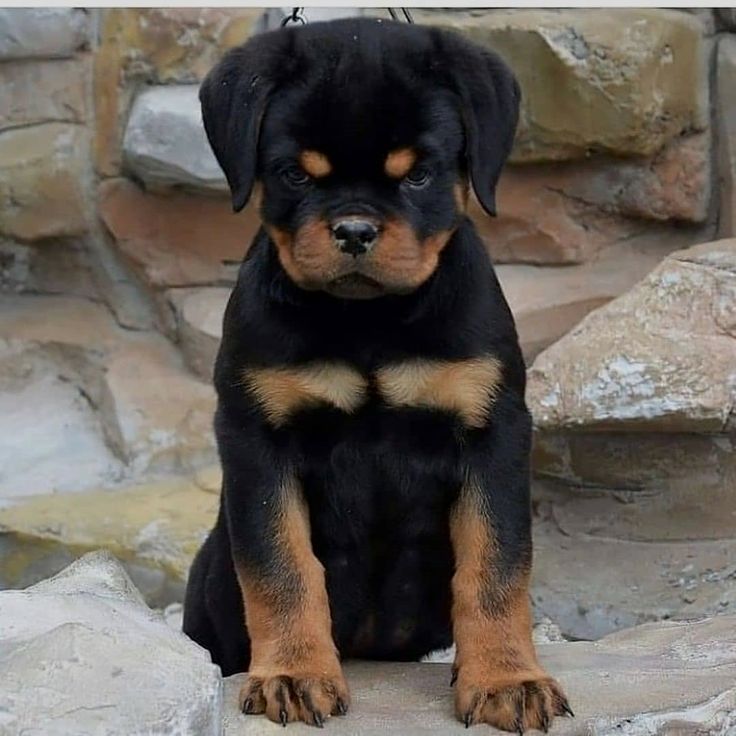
(463, 389)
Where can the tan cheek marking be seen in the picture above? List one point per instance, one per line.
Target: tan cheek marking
(316, 164)
(400, 162)
(466, 387)
(281, 392)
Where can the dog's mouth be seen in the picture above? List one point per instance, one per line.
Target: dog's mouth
(355, 286)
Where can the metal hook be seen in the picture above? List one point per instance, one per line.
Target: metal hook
(297, 16)
(405, 11)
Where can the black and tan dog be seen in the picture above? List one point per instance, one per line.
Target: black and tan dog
(371, 422)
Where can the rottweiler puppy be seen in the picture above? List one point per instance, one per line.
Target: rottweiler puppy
(371, 421)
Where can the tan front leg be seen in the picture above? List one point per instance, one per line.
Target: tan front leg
(498, 678)
(295, 672)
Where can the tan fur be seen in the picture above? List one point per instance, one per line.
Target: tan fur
(400, 162)
(316, 164)
(281, 392)
(465, 387)
(399, 260)
(460, 192)
(499, 680)
(290, 631)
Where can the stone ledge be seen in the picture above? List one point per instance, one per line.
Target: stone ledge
(655, 678)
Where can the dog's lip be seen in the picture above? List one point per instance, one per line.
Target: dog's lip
(355, 285)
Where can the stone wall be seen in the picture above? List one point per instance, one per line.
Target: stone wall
(118, 247)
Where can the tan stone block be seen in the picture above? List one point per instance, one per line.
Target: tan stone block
(726, 122)
(42, 91)
(177, 239)
(199, 314)
(42, 173)
(566, 212)
(622, 80)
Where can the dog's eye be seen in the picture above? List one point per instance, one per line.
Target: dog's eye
(419, 176)
(295, 176)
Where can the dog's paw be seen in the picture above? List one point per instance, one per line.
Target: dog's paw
(510, 705)
(307, 697)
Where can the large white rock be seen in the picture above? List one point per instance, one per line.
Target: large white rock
(165, 143)
(662, 357)
(82, 654)
(41, 32)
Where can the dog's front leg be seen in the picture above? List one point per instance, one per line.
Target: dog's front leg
(498, 679)
(294, 671)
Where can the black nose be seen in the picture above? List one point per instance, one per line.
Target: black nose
(354, 237)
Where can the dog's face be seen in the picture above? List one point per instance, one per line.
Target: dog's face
(359, 137)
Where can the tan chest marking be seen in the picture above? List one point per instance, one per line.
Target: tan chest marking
(281, 392)
(465, 387)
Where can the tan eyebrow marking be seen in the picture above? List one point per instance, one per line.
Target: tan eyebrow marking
(399, 162)
(316, 164)
(466, 387)
(281, 392)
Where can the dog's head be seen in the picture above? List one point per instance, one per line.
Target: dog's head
(359, 138)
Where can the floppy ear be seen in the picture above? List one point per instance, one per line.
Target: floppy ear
(234, 96)
(489, 95)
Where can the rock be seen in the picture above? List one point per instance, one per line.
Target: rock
(27, 33)
(35, 455)
(726, 126)
(179, 239)
(547, 302)
(42, 91)
(41, 181)
(643, 582)
(159, 417)
(121, 402)
(621, 81)
(666, 678)
(140, 46)
(604, 561)
(199, 315)
(165, 143)
(82, 654)
(636, 364)
(154, 528)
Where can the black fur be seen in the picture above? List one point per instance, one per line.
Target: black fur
(379, 483)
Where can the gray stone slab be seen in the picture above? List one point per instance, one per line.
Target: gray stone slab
(82, 654)
(664, 679)
(28, 33)
(165, 143)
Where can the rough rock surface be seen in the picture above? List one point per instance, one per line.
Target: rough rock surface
(154, 529)
(637, 364)
(81, 653)
(623, 81)
(177, 239)
(41, 181)
(120, 403)
(165, 143)
(565, 213)
(607, 560)
(668, 678)
(42, 91)
(27, 33)
(199, 325)
(159, 417)
(140, 46)
(726, 124)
